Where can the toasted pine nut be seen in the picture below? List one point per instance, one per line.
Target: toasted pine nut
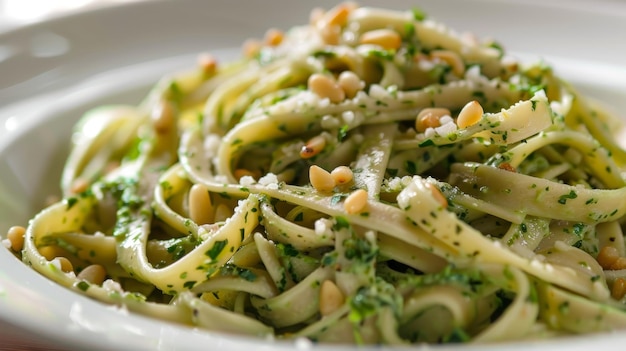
(607, 256)
(330, 34)
(163, 117)
(331, 298)
(338, 15)
(111, 166)
(618, 290)
(452, 59)
(321, 179)
(429, 118)
(15, 235)
(201, 208)
(94, 274)
(385, 38)
(63, 263)
(207, 63)
(470, 114)
(50, 252)
(619, 264)
(273, 37)
(356, 202)
(342, 175)
(350, 83)
(222, 213)
(314, 146)
(251, 48)
(437, 195)
(326, 87)
(79, 185)
(507, 167)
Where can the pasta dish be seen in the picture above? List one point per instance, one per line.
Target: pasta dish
(370, 177)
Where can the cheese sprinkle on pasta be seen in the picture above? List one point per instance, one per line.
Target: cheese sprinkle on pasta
(371, 177)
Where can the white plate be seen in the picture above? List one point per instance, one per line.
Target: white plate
(53, 71)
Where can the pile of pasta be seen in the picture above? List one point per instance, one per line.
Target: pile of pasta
(371, 177)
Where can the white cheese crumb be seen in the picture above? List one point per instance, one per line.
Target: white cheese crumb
(445, 119)
(246, 180)
(211, 144)
(348, 117)
(330, 122)
(221, 179)
(269, 180)
(112, 285)
(323, 227)
(446, 129)
(429, 132)
(378, 92)
(473, 73)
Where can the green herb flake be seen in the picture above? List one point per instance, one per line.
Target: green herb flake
(82, 285)
(418, 14)
(216, 249)
(71, 201)
(563, 198)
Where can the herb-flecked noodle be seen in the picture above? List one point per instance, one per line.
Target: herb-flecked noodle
(372, 177)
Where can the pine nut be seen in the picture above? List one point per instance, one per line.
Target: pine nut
(320, 179)
(79, 185)
(507, 167)
(331, 298)
(207, 63)
(429, 118)
(111, 166)
(356, 202)
(607, 256)
(619, 264)
(95, 274)
(338, 15)
(618, 290)
(201, 209)
(470, 114)
(251, 48)
(325, 87)
(314, 146)
(342, 175)
(50, 252)
(63, 263)
(386, 38)
(452, 59)
(163, 117)
(273, 37)
(331, 35)
(437, 195)
(15, 235)
(350, 83)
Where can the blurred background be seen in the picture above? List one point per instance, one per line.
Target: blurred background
(16, 12)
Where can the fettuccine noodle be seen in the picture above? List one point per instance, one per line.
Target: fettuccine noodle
(372, 177)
